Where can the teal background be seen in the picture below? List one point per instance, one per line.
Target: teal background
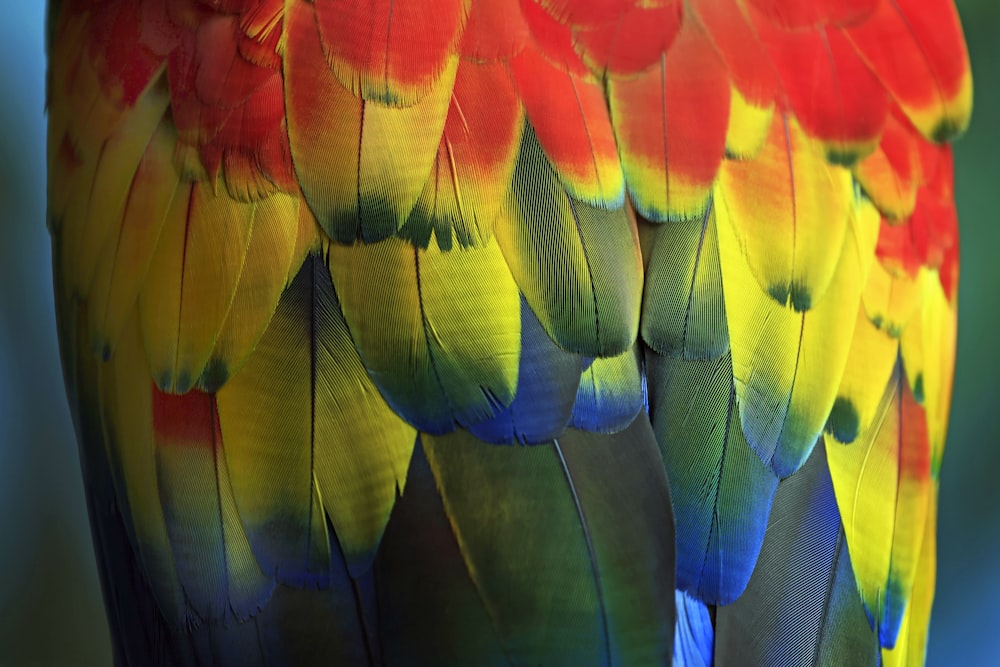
(50, 607)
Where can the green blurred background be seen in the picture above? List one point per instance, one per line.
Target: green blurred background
(50, 606)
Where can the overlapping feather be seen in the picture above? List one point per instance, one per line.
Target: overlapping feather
(292, 235)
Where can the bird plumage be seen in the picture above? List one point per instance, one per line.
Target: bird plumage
(476, 332)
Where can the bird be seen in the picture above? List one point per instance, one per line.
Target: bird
(508, 332)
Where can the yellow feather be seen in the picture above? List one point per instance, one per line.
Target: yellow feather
(578, 266)
(911, 646)
(128, 405)
(787, 365)
(398, 147)
(748, 127)
(928, 348)
(890, 300)
(865, 477)
(869, 365)
(361, 165)
(440, 332)
(123, 264)
(198, 267)
(787, 207)
(119, 159)
(160, 297)
(306, 388)
(263, 278)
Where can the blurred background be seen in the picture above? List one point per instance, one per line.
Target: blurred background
(50, 604)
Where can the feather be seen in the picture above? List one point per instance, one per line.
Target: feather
(305, 388)
(753, 76)
(439, 332)
(787, 365)
(203, 243)
(599, 550)
(890, 298)
(569, 116)
(474, 162)
(493, 31)
(791, 189)
(632, 42)
(262, 280)
(218, 573)
(362, 176)
(683, 310)
(122, 268)
(928, 350)
(129, 424)
(694, 635)
(911, 645)
(274, 485)
(917, 51)
(133, 609)
(890, 174)
(395, 54)
(120, 157)
(578, 266)
(882, 483)
(548, 378)
(794, 15)
(670, 122)
(801, 605)
(610, 394)
(834, 96)
(427, 601)
(870, 361)
(722, 491)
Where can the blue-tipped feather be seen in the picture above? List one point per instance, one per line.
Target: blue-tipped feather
(693, 633)
(546, 388)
